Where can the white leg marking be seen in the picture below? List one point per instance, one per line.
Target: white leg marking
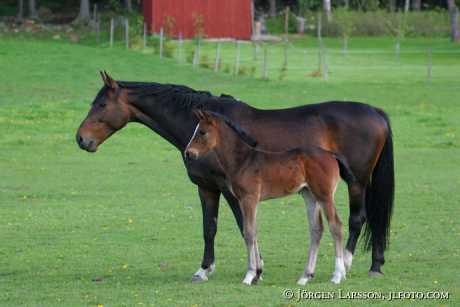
(202, 274)
(347, 259)
(316, 231)
(339, 273)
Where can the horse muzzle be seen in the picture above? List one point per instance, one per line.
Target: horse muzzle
(86, 143)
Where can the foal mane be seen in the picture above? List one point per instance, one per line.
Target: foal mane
(241, 133)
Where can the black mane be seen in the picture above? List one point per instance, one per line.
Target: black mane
(181, 94)
(242, 134)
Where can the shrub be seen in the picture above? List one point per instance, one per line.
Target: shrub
(275, 25)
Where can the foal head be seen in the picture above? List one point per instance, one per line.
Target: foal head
(109, 113)
(206, 136)
(211, 131)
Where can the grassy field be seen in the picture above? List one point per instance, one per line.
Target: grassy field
(123, 227)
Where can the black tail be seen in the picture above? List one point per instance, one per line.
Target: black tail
(380, 196)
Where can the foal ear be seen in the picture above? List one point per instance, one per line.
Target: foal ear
(198, 114)
(108, 81)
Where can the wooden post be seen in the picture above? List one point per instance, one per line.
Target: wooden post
(237, 58)
(398, 49)
(345, 45)
(145, 35)
(95, 13)
(127, 32)
(286, 21)
(196, 58)
(285, 54)
(320, 41)
(217, 62)
(98, 31)
(112, 29)
(161, 42)
(180, 50)
(429, 65)
(265, 64)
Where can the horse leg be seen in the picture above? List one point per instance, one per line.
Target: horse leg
(236, 209)
(210, 207)
(356, 194)
(335, 227)
(248, 207)
(316, 230)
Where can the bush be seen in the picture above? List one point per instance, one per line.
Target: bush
(275, 25)
(381, 23)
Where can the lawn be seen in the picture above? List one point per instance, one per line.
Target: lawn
(123, 227)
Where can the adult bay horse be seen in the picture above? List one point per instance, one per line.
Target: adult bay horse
(255, 175)
(360, 133)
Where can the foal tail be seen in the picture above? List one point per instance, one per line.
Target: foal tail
(380, 196)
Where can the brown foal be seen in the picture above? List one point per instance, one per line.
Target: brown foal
(253, 176)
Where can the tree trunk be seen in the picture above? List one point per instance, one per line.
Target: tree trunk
(84, 14)
(129, 5)
(416, 5)
(392, 5)
(453, 12)
(406, 5)
(272, 11)
(327, 9)
(20, 10)
(33, 9)
(346, 3)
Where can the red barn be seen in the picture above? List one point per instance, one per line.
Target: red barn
(215, 18)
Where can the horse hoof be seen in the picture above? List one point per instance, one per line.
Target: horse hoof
(202, 274)
(199, 278)
(375, 274)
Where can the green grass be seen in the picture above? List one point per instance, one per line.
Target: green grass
(128, 215)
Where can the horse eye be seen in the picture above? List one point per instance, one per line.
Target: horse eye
(102, 104)
(201, 133)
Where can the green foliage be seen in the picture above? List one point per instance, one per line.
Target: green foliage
(275, 25)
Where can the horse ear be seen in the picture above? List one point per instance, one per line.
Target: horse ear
(108, 81)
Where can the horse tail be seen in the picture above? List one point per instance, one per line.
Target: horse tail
(380, 195)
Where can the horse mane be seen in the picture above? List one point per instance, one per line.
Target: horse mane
(242, 134)
(183, 95)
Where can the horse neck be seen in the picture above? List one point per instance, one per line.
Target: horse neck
(231, 151)
(176, 126)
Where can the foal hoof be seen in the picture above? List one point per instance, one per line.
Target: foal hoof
(338, 277)
(347, 259)
(251, 278)
(304, 279)
(375, 274)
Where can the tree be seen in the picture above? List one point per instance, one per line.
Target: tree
(416, 5)
(406, 5)
(20, 10)
(272, 10)
(84, 14)
(327, 9)
(453, 12)
(33, 9)
(128, 5)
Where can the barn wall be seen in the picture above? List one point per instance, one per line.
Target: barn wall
(229, 18)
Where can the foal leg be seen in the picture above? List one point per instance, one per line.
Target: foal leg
(335, 227)
(356, 194)
(236, 209)
(316, 230)
(210, 207)
(249, 221)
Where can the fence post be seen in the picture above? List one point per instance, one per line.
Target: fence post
(145, 35)
(196, 58)
(98, 31)
(429, 65)
(398, 49)
(161, 42)
(112, 29)
(217, 62)
(180, 50)
(265, 64)
(127, 32)
(237, 58)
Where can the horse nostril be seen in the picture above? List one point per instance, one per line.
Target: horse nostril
(79, 139)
